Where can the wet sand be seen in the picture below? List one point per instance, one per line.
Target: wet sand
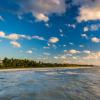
(40, 69)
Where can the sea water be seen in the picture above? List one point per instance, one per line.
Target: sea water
(51, 84)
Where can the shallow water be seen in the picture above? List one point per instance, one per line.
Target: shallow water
(63, 84)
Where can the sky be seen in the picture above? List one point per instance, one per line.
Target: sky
(55, 31)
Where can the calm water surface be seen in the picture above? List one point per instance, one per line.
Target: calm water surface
(52, 84)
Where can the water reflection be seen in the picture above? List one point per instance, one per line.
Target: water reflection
(65, 84)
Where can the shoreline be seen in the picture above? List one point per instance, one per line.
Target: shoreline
(40, 69)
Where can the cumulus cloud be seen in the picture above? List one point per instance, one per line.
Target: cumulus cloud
(2, 34)
(56, 57)
(15, 44)
(89, 10)
(29, 52)
(87, 51)
(72, 25)
(94, 27)
(63, 57)
(73, 51)
(75, 58)
(95, 40)
(60, 57)
(1, 18)
(81, 46)
(86, 29)
(60, 30)
(13, 36)
(40, 9)
(93, 55)
(84, 36)
(38, 37)
(92, 58)
(71, 43)
(47, 25)
(53, 40)
(46, 54)
(46, 47)
(62, 35)
(41, 17)
(87, 14)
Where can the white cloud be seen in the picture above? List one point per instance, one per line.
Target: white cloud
(89, 10)
(61, 57)
(87, 51)
(56, 57)
(53, 40)
(20, 17)
(38, 37)
(92, 58)
(29, 52)
(2, 34)
(47, 25)
(95, 27)
(65, 51)
(41, 17)
(81, 46)
(87, 14)
(72, 25)
(54, 46)
(75, 58)
(73, 51)
(46, 54)
(15, 36)
(46, 47)
(84, 36)
(1, 18)
(64, 45)
(15, 44)
(86, 29)
(41, 9)
(95, 40)
(93, 55)
(62, 35)
(60, 30)
(71, 43)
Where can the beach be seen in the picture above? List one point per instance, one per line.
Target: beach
(50, 84)
(41, 69)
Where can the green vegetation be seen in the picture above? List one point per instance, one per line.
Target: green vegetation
(24, 63)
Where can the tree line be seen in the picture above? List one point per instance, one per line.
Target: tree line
(25, 63)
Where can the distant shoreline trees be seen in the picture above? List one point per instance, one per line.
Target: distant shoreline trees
(25, 63)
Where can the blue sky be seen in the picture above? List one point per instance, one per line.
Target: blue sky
(63, 31)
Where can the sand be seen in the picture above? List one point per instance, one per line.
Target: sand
(39, 69)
